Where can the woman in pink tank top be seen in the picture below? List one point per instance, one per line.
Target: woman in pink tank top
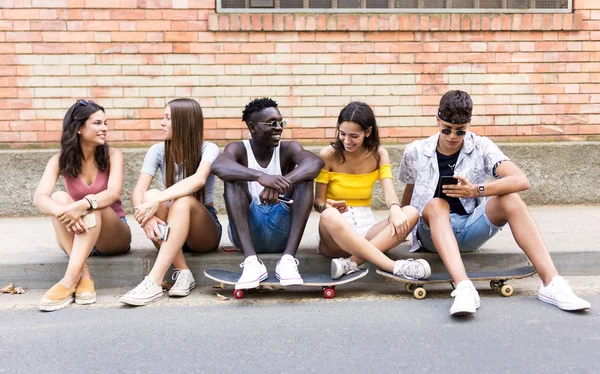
(88, 218)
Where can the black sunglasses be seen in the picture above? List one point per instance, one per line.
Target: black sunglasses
(458, 132)
(273, 124)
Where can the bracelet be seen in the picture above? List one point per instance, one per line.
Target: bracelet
(392, 204)
(89, 202)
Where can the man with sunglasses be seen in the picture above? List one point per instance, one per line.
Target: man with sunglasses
(461, 214)
(268, 194)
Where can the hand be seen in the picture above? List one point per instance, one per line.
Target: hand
(464, 188)
(269, 196)
(77, 227)
(279, 183)
(69, 214)
(340, 205)
(142, 213)
(398, 222)
(151, 228)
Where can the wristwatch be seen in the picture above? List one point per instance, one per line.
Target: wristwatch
(93, 202)
(481, 189)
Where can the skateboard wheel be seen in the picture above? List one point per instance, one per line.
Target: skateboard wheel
(419, 293)
(329, 293)
(495, 285)
(507, 290)
(409, 287)
(238, 294)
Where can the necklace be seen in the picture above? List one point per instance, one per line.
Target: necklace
(451, 166)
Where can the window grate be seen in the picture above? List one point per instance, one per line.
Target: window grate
(396, 6)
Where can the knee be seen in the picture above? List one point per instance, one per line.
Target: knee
(511, 201)
(330, 218)
(436, 206)
(150, 194)
(61, 197)
(182, 203)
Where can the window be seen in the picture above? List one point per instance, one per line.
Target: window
(395, 6)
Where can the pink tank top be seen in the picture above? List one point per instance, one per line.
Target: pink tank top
(78, 190)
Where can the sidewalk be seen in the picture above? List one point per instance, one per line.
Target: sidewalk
(30, 258)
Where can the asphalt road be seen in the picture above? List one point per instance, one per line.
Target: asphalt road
(518, 334)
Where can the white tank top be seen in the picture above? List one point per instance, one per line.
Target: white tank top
(274, 168)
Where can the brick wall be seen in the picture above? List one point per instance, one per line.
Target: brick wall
(532, 77)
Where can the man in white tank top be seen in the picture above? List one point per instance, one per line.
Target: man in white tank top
(258, 173)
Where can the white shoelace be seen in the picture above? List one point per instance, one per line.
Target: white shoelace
(145, 285)
(179, 277)
(409, 269)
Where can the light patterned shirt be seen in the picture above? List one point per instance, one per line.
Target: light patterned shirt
(477, 159)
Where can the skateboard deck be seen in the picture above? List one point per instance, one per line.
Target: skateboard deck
(497, 280)
(310, 280)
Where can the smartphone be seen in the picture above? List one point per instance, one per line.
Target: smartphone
(286, 200)
(446, 180)
(89, 220)
(164, 232)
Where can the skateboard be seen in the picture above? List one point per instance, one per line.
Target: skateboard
(310, 280)
(497, 280)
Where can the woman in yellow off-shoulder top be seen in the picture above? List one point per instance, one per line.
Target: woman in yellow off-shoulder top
(348, 229)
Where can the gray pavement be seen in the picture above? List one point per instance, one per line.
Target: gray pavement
(29, 256)
(507, 335)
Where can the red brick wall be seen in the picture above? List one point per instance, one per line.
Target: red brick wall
(532, 77)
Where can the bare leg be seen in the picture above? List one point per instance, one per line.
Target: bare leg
(511, 208)
(338, 235)
(303, 200)
(237, 201)
(185, 212)
(437, 216)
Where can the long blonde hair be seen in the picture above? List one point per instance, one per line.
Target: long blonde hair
(185, 146)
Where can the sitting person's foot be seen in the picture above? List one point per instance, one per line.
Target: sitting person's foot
(57, 297)
(342, 266)
(412, 269)
(85, 293)
(145, 293)
(466, 299)
(287, 271)
(254, 272)
(184, 283)
(558, 292)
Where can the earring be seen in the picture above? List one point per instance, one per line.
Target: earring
(79, 132)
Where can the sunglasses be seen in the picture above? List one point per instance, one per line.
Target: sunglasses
(84, 102)
(273, 124)
(458, 132)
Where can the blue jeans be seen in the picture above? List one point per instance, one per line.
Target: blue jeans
(471, 231)
(269, 227)
(213, 212)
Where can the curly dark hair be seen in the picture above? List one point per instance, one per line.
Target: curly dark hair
(361, 114)
(71, 155)
(256, 106)
(456, 107)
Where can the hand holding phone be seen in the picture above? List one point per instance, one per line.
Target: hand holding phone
(444, 181)
(164, 231)
(286, 200)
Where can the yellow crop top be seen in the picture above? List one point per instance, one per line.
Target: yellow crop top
(355, 189)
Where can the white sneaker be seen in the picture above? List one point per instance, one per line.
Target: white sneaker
(184, 283)
(254, 272)
(558, 292)
(145, 293)
(287, 271)
(341, 266)
(412, 269)
(466, 299)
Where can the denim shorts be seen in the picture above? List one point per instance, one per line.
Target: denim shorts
(269, 227)
(211, 209)
(95, 251)
(471, 231)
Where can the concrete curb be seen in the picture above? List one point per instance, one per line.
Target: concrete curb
(30, 258)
